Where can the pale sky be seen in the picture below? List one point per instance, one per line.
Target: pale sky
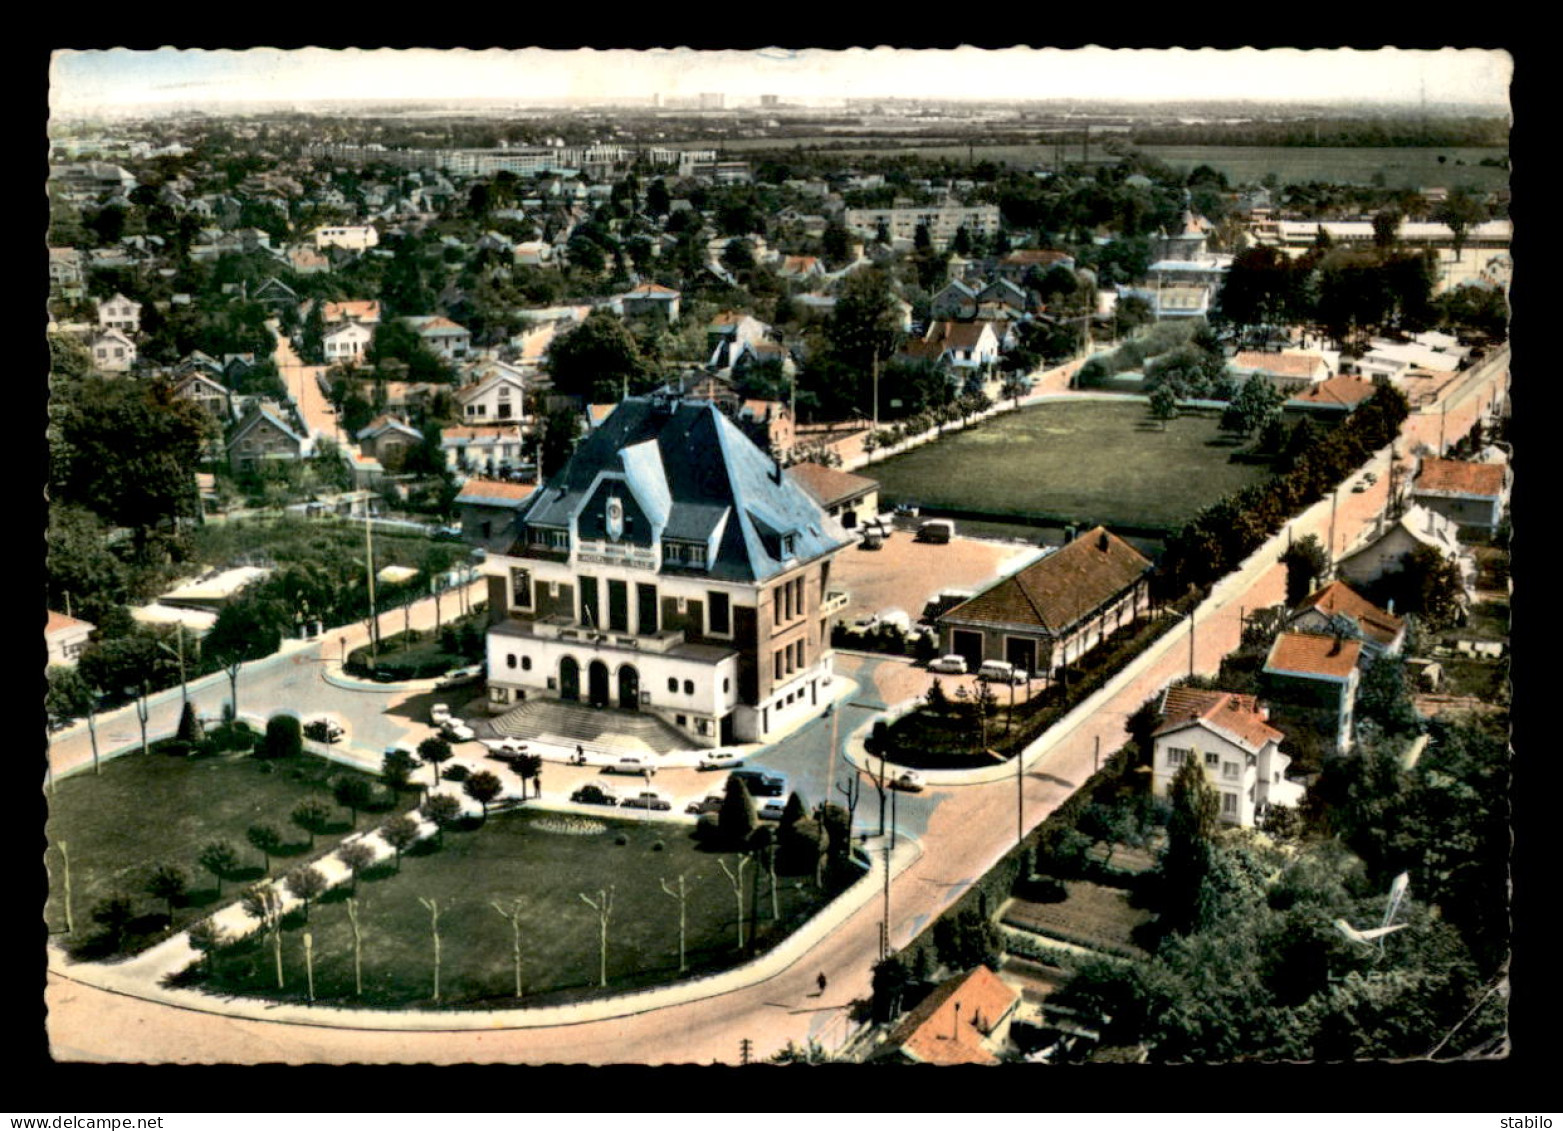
(82, 80)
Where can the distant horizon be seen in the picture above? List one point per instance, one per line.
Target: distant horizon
(121, 82)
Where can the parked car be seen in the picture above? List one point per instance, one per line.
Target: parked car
(460, 677)
(936, 530)
(720, 760)
(909, 780)
(711, 804)
(631, 764)
(1000, 671)
(772, 809)
(872, 540)
(439, 713)
(505, 749)
(646, 799)
(593, 793)
(762, 784)
(949, 665)
(454, 730)
(908, 508)
(324, 729)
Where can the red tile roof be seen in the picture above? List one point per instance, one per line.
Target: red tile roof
(1455, 477)
(828, 485)
(936, 1032)
(1063, 588)
(367, 310)
(1338, 598)
(1280, 364)
(1307, 654)
(481, 431)
(652, 290)
(1026, 256)
(1238, 715)
(1346, 391)
(59, 622)
(494, 489)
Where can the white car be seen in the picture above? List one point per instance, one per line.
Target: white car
(505, 747)
(439, 713)
(462, 676)
(454, 730)
(909, 780)
(720, 760)
(772, 809)
(949, 665)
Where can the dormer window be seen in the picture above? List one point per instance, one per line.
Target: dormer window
(789, 545)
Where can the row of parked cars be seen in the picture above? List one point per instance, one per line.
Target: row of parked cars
(991, 671)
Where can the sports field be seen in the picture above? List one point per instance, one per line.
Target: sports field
(1085, 463)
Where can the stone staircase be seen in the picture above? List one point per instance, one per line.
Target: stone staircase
(603, 730)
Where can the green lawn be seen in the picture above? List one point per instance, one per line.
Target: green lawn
(156, 809)
(1088, 462)
(515, 854)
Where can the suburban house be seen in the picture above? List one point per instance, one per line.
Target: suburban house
(345, 343)
(669, 567)
(1334, 396)
(366, 311)
(1319, 671)
(112, 352)
(498, 398)
(650, 298)
(1286, 370)
(440, 334)
(307, 261)
(748, 354)
(1468, 494)
(1387, 550)
(119, 313)
(387, 439)
(965, 1020)
(768, 423)
(350, 237)
(215, 398)
(956, 301)
(1053, 611)
(1340, 608)
(1016, 264)
(275, 293)
(482, 447)
(262, 437)
(1230, 736)
(1004, 298)
(800, 267)
(66, 637)
(1173, 300)
(487, 507)
(847, 498)
(65, 267)
(962, 345)
(728, 332)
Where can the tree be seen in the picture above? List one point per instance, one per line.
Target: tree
(483, 787)
(603, 905)
(208, 938)
(357, 856)
(1164, 404)
(313, 817)
(169, 884)
(263, 903)
(308, 884)
(735, 877)
(596, 359)
(401, 832)
(1433, 588)
(435, 751)
(113, 914)
(512, 914)
(1257, 402)
(284, 737)
(433, 907)
(352, 793)
(561, 429)
(1461, 211)
(1187, 859)
(442, 810)
(219, 858)
(189, 724)
(396, 768)
(681, 895)
(1306, 562)
(1386, 228)
(737, 820)
(266, 840)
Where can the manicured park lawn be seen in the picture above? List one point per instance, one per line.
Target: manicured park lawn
(514, 854)
(148, 810)
(1088, 462)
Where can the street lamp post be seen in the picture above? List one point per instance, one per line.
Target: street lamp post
(92, 727)
(143, 709)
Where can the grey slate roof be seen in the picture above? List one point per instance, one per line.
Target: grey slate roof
(694, 476)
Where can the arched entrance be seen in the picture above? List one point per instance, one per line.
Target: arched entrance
(569, 678)
(597, 684)
(629, 688)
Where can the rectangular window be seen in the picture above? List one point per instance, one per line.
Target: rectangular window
(779, 662)
(646, 610)
(719, 613)
(520, 589)
(697, 556)
(1176, 756)
(591, 613)
(618, 606)
(776, 605)
(787, 601)
(1212, 759)
(1229, 804)
(1229, 771)
(559, 539)
(792, 659)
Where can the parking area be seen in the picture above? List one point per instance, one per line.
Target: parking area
(905, 574)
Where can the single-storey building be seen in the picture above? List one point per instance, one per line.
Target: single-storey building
(965, 1020)
(487, 507)
(847, 498)
(1468, 494)
(1053, 611)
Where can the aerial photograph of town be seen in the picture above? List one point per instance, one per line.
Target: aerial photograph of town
(977, 557)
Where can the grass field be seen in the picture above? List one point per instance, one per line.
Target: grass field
(1089, 462)
(1402, 167)
(514, 854)
(156, 809)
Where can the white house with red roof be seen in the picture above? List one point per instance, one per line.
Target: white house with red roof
(446, 338)
(66, 637)
(1287, 370)
(1230, 736)
(119, 313)
(345, 343)
(1468, 494)
(1340, 608)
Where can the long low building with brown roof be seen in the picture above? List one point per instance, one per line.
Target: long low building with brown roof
(1055, 610)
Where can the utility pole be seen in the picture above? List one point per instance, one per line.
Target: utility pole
(1020, 799)
(374, 621)
(876, 394)
(745, 1050)
(1191, 643)
(884, 942)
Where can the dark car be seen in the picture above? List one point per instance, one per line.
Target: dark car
(762, 784)
(592, 794)
(646, 800)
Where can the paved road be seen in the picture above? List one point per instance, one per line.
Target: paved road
(319, 417)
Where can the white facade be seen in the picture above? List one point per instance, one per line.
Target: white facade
(112, 352)
(119, 313)
(942, 222)
(1246, 779)
(499, 399)
(347, 343)
(354, 237)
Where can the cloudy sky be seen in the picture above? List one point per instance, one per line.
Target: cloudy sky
(84, 80)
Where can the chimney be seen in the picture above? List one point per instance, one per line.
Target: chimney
(1390, 608)
(1101, 541)
(1336, 647)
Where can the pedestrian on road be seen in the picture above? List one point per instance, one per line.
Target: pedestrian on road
(821, 981)
(580, 755)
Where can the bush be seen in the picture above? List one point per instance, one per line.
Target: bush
(175, 746)
(1042, 889)
(621, 840)
(456, 773)
(657, 846)
(284, 737)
